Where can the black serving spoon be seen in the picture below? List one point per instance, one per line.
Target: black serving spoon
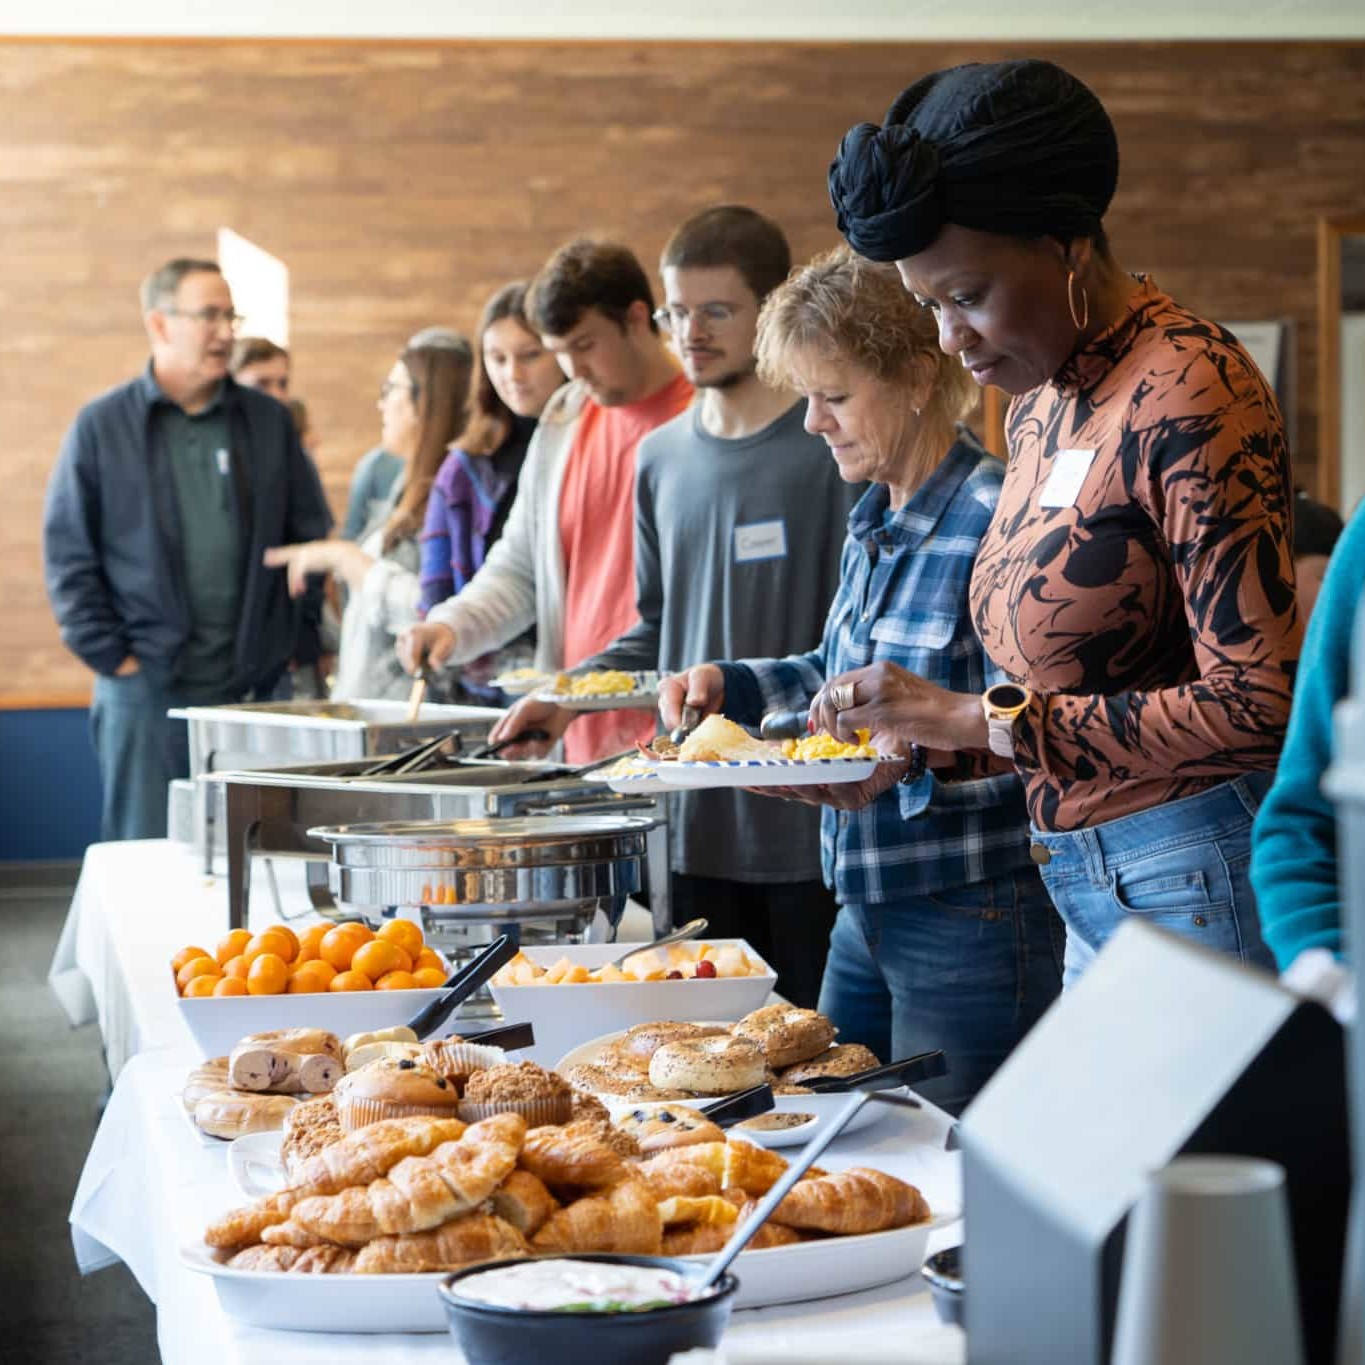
(462, 984)
(923, 1066)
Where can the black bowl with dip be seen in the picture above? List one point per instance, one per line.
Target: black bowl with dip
(944, 1274)
(491, 1334)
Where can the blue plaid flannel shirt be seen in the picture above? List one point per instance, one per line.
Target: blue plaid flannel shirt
(903, 597)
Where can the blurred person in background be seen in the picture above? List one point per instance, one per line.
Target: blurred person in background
(566, 560)
(740, 521)
(258, 363)
(422, 405)
(175, 608)
(1317, 528)
(515, 376)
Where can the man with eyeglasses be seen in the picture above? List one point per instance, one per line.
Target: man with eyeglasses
(565, 562)
(166, 493)
(740, 520)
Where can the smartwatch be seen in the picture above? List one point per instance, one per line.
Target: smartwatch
(1003, 704)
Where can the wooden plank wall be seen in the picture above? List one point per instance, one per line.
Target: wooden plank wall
(401, 182)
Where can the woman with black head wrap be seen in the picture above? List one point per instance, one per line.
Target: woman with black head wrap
(1136, 580)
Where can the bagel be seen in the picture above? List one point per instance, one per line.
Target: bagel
(670, 1125)
(708, 1066)
(786, 1033)
(843, 1059)
(637, 1045)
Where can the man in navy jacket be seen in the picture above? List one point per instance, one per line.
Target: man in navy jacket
(167, 491)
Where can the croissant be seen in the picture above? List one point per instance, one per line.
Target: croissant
(480, 1237)
(243, 1227)
(669, 1174)
(358, 1159)
(708, 1209)
(265, 1258)
(625, 1219)
(324, 1260)
(292, 1234)
(420, 1192)
(523, 1201)
(570, 1158)
(698, 1239)
(852, 1201)
(372, 1151)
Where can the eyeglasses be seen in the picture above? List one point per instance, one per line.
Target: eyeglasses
(208, 317)
(675, 317)
(391, 386)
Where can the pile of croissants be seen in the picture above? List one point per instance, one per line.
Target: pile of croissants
(422, 1194)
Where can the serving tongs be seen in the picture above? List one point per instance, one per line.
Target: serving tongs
(744, 1104)
(923, 1066)
(507, 1036)
(462, 984)
(425, 754)
(707, 1275)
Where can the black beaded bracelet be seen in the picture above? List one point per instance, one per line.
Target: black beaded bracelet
(919, 760)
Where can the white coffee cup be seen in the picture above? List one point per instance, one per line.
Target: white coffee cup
(1208, 1273)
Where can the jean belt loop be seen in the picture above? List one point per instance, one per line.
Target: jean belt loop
(1094, 857)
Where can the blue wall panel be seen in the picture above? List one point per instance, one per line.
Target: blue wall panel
(49, 786)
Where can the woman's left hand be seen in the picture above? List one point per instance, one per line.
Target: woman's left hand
(340, 557)
(842, 795)
(899, 708)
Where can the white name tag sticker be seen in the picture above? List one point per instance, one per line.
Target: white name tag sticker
(1063, 486)
(760, 540)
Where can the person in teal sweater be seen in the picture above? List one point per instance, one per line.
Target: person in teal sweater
(1294, 839)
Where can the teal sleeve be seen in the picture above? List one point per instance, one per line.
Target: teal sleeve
(1294, 842)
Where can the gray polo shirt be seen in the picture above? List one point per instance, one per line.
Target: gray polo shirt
(737, 547)
(198, 455)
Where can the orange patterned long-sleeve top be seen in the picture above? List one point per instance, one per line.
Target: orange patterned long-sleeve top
(1152, 613)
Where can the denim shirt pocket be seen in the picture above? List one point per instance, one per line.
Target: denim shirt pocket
(904, 637)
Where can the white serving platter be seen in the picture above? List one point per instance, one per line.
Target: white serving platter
(783, 772)
(565, 1016)
(255, 1164)
(410, 1303)
(520, 684)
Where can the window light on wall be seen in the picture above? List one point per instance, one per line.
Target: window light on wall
(259, 284)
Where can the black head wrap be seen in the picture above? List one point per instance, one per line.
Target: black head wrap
(1316, 526)
(1021, 148)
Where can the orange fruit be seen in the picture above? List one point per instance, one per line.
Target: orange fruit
(404, 933)
(225, 985)
(203, 965)
(377, 958)
(232, 944)
(396, 981)
(312, 977)
(289, 936)
(271, 941)
(427, 958)
(187, 955)
(339, 945)
(350, 981)
(268, 975)
(429, 978)
(309, 941)
(199, 986)
(236, 966)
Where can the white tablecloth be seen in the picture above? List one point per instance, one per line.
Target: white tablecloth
(150, 1184)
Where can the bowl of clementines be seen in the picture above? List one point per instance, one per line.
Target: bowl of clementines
(346, 978)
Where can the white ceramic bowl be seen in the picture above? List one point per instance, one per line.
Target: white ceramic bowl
(566, 1016)
(219, 1023)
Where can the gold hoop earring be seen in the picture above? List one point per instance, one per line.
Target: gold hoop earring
(1071, 302)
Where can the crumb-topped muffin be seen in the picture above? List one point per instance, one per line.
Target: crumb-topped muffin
(524, 1088)
(393, 1088)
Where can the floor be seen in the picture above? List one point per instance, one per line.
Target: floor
(52, 1081)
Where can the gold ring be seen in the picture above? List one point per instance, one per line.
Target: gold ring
(842, 698)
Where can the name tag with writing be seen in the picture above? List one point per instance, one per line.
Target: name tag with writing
(760, 540)
(1063, 486)
(222, 457)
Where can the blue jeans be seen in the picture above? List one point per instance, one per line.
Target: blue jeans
(1183, 867)
(969, 969)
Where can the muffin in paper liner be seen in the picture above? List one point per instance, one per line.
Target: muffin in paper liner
(537, 1113)
(358, 1111)
(457, 1060)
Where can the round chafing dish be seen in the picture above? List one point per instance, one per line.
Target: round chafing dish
(534, 868)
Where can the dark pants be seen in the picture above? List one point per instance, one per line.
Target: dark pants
(787, 924)
(140, 751)
(969, 970)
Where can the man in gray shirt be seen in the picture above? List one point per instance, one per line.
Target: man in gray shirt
(740, 521)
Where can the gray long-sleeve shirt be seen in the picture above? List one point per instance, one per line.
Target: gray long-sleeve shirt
(737, 548)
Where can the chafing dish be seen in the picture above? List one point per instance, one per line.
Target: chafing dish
(277, 734)
(274, 813)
